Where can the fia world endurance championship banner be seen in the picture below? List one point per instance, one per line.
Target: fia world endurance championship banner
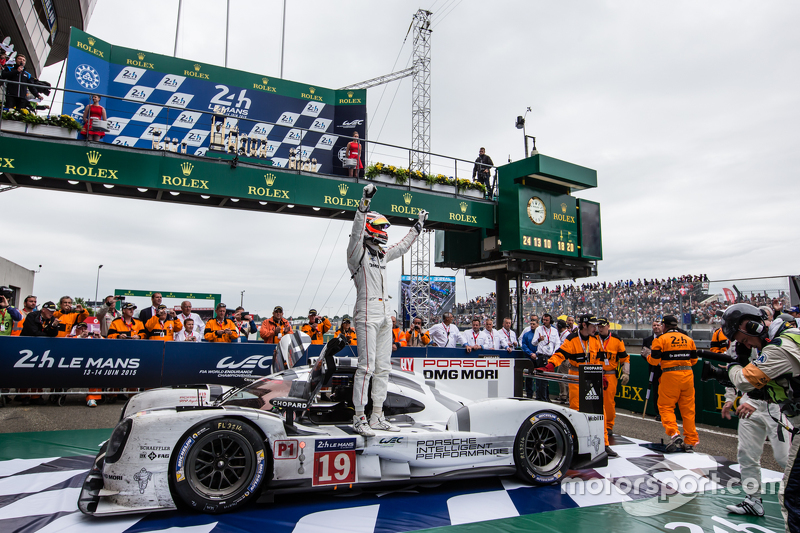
(160, 97)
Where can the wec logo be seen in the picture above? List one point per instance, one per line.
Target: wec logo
(260, 361)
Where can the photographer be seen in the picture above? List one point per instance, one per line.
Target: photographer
(274, 328)
(8, 313)
(245, 325)
(416, 336)
(221, 329)
(757, 423)
(82, 332)
(41, 323)
(316, 327)
(108, 313)
(776, 372)
(346, 331)
(482, 169)
(163, 326)
(68, 317)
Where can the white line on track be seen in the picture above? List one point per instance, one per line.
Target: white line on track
(733, 435)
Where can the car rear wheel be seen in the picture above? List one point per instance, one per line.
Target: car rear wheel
(543, 449)
(218, 466)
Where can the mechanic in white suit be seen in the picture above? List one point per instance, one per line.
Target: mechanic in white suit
(756, 425)
(366, 259)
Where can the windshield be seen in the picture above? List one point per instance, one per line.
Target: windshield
(258, 394)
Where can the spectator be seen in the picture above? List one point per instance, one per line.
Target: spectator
(482, 169)
(347, 332)
(316, 327)
(17, 93)
(571, 323)
(416, 336)
(8, 316)
(221, 329)
(275, 327)
(41, 323)
(490, 337)
(149, 312)
(509, 337)
(91, 113)
(107, 314)
(163, 326)
(188, 332)
(29, 307)
(68, 317)
(472, 338)
(794, 311)
(82, 332)
(534, 323)
(245, 325)
(547, 341)
(563, 368)
(398, 337)
(126, 327)
(445, 334)
(186, 313)
(655, 370)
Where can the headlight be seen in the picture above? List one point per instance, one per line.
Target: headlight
(116, 444)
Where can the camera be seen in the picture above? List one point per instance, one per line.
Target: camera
(7, 292)
(119, 298)
(318, 320)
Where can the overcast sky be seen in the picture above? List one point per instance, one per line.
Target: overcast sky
(687, 110)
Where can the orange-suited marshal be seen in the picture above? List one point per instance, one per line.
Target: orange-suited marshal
(676, 353)
(579, 348)
(613, 355)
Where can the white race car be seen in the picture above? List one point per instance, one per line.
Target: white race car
(215, 449)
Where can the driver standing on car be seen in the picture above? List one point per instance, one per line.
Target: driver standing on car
(366, 259)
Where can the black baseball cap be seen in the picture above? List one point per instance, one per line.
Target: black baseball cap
(50, 306)
(128, 305)
(602, 321)
(346, 318)
(670, 320)
(310, 311)
(278, 308)
(587, 319)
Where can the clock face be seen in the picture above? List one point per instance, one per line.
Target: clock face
(536, 210)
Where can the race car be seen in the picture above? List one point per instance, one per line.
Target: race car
(214, 449)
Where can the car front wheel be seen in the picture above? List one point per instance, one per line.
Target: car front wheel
(218, 465)
(543, 448)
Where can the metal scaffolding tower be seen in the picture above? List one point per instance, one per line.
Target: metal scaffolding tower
(419, 298)
(380, 80)
(421, 93)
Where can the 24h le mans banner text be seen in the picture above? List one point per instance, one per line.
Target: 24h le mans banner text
(167, 94)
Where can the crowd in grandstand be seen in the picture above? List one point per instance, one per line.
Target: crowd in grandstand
(624, 302)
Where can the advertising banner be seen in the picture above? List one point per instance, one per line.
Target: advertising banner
(163, 97)
(472, 377)
(160, 170)
(61, 363)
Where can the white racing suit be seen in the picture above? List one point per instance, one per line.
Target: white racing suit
(778, 360)
(371, 314)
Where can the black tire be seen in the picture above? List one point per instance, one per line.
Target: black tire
(543, 448)
(218, 466)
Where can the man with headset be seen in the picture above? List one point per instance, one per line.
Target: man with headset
(776, 372)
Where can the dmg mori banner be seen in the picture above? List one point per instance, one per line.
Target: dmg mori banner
(111, 165)
(174, 96)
